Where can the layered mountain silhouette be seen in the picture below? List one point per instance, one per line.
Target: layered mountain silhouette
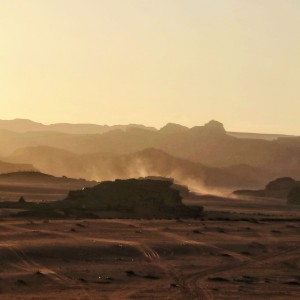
(205, 154)
(148, 162)
(23, 125)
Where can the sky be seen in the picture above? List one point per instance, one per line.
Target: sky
(152, 62)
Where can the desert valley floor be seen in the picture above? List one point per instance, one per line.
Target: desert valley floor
(231, 253)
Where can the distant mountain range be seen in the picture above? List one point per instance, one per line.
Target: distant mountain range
(148, 162)
(23, 125)
(204, 156)
(259, 136)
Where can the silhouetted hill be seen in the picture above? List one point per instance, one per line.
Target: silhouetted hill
(23, 126)
(137, 197)
(37, 178)
(10, 167)
(215, 127)
(131, 198)
(115, 141)
(38, 186)
(208, 145)
(285, 188)
(172, 128)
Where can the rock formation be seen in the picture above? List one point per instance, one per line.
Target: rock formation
(136, 197)
(285, 188)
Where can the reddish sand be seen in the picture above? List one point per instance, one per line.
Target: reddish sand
(229, 255)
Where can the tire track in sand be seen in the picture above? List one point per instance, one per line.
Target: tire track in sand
(194, 285)
(30, 266)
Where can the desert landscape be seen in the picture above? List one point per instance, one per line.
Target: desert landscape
(234, 251)
(149, 224)
(149, 149)
(236, 248)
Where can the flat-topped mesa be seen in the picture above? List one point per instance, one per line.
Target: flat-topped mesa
(281, 184)
(284, 188)
(139, 197)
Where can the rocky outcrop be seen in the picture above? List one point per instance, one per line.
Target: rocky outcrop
(285, 183)
(135, 197)
(215, 127)
(285, 188)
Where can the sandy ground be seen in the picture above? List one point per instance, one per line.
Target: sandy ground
(245, 253)
(32, 193)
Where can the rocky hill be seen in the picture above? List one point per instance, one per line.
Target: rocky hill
(6, 167)
(134, 197)
(38, 186)
(285, 188)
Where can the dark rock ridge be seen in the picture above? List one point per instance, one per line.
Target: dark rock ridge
(136, 197)
(285, 188)
(132, 198)
(281, 184)
(32, 178)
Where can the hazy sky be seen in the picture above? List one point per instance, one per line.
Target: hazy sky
(152, 62)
